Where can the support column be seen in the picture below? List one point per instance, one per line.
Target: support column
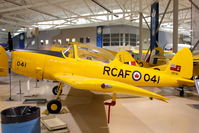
(175, 26)
(140, 30)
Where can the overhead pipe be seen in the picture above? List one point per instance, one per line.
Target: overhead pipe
(102, 6)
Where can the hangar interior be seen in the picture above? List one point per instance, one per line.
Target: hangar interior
(115, 33)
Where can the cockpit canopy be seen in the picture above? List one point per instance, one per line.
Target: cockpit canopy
(89, 52)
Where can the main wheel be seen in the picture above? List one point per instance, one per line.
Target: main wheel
(182, 93)
(54, 106)
(55, 90)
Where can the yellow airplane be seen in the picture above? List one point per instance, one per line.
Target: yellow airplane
(163, 59)
(3, 62)
(95, 69)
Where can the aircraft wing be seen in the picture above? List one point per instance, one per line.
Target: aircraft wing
(103, 85)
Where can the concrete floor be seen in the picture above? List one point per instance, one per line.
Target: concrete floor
(87, 113)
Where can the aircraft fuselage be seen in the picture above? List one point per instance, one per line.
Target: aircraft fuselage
(43, 65)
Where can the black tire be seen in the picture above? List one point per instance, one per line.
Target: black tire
(55, 90)
(54, 106)
(151, 98)
(181, 93)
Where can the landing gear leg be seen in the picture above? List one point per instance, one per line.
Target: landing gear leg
(56, 89)
(112, 103)
(181, 93)
(54, 106)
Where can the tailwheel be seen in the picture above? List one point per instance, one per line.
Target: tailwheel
(56, 89)
(181, 93)
(151, 98)
(54, 106)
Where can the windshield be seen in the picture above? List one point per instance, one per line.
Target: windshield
(94, 53)
(69, 52)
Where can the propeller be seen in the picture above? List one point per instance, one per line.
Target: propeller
(10, 48)
(10, 43)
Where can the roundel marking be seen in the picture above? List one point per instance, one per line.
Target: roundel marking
(136, 75)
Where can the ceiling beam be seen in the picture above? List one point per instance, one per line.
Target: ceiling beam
(32, 9)
(85, 2)
(67, 10)
(14, 23)
(16, 19)
(117, 2)
(5, 10)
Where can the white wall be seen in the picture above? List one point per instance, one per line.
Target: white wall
(77, 33)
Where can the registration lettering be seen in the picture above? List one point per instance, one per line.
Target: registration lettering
(136, 75)
(116, 72)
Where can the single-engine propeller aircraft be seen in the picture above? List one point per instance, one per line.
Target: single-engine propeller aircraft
(95, 69)
(3, 62)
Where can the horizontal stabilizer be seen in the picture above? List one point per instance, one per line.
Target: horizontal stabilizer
(185, 82)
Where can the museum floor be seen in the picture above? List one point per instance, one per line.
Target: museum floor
(132, 114)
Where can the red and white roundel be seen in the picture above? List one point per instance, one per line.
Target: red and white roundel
(136, 75)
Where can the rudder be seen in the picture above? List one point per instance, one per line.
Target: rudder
(126, 58)
(181, 64)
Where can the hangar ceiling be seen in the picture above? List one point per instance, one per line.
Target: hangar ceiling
(23, 15)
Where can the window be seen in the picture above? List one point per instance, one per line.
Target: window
(133, 39)
(93, 53)
(73, 40)
(121, 39)
(42, 42)
(81, 40)
(59, 41)
(87, 39)
(69, 52)
(115, 39)
(106, 39)
(46, 42)
(126, 39)
(33, 43)
(67, 40)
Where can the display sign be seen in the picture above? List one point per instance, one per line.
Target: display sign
(99, 36)
(154, 25)
(22, 40)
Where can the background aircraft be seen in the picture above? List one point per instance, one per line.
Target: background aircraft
(3, 62)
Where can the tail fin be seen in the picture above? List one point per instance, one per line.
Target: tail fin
(126, 57)
(181, 64)
(3, 62)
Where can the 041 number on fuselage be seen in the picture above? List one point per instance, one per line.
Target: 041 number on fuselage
(21, 63)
